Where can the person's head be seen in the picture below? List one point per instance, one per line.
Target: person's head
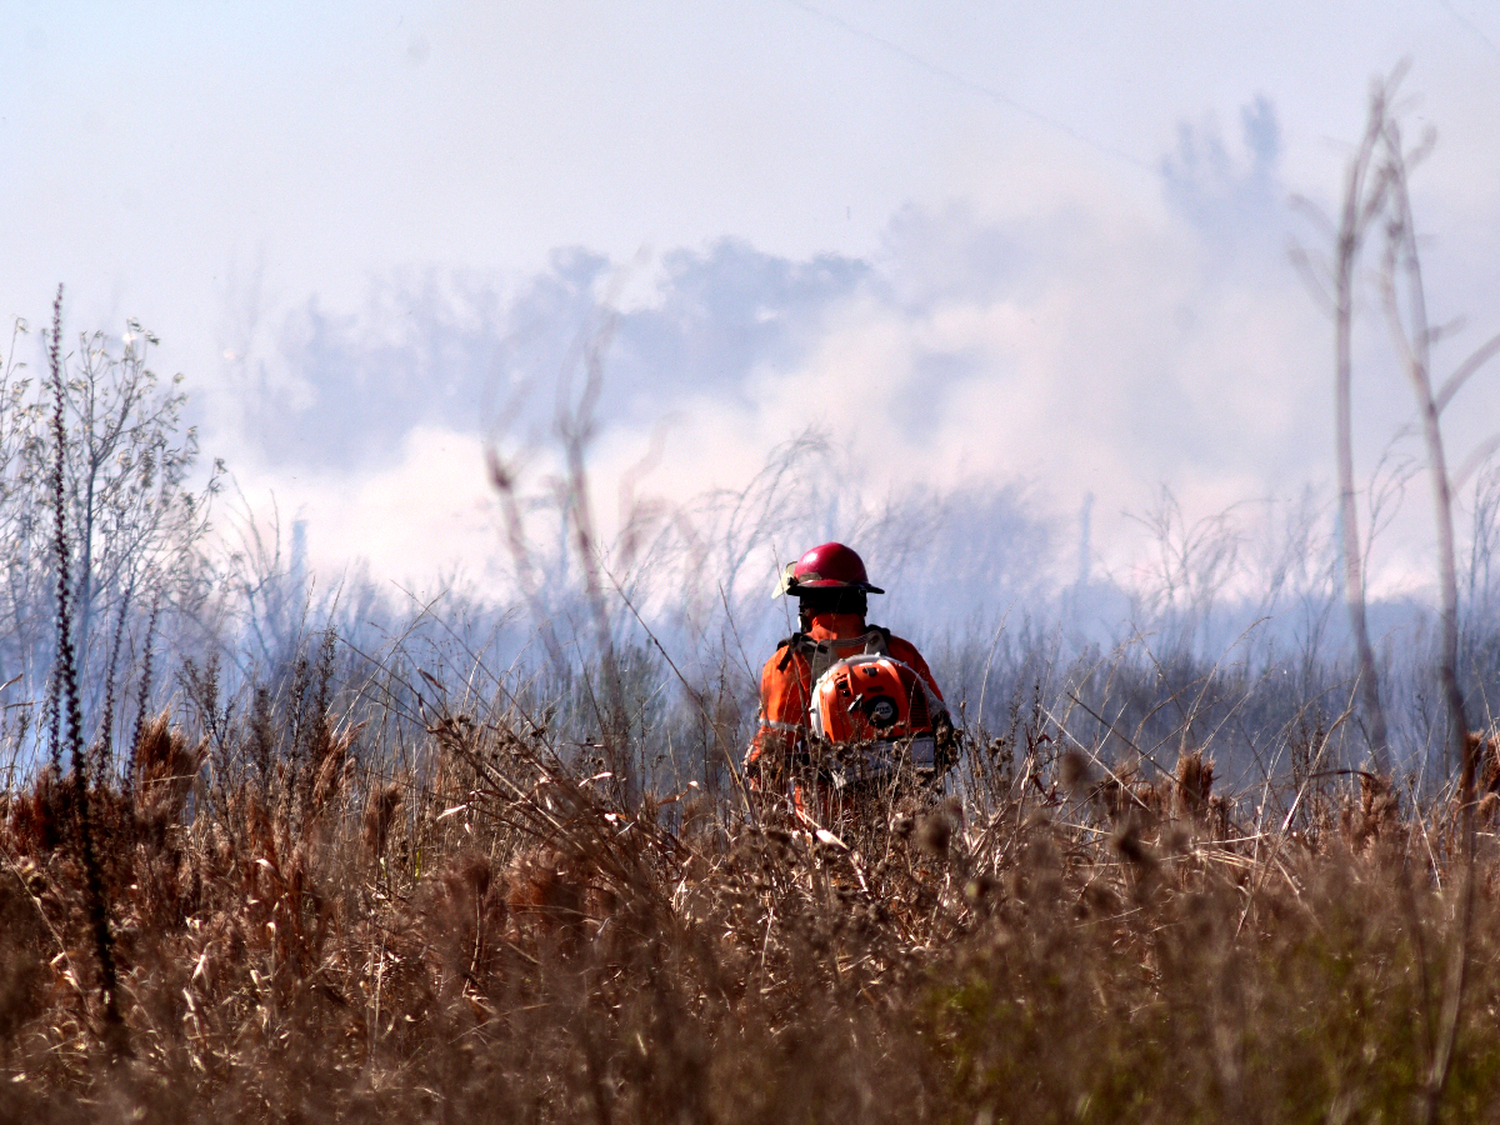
(846, 600)
(830, 578)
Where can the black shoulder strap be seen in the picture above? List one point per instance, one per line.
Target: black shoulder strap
(797, 642)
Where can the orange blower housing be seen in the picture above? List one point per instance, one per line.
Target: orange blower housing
(877, 700)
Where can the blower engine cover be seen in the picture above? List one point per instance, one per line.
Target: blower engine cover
(873, 698)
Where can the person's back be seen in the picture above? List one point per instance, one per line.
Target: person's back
(810, 695)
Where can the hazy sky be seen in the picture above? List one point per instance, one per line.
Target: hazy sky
(1009, 244)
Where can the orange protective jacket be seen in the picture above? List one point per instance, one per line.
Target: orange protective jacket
(786, 689)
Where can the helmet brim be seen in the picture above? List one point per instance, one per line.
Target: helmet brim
(789, 585)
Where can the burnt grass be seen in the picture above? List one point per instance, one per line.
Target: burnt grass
(493, 936)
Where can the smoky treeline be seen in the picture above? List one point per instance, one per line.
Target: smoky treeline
(1230, 636)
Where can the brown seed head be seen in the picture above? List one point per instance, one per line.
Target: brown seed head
(1073, 771)
(934, 834)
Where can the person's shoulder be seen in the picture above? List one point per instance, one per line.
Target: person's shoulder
(906, 652)
(787, 649)
(895, 643)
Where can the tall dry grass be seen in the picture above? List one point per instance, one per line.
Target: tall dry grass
(489, 935)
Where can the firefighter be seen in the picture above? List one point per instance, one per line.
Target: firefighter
(803, 714)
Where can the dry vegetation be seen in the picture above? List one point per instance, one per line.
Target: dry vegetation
(491, 937)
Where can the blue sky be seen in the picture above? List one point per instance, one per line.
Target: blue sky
(977, 245)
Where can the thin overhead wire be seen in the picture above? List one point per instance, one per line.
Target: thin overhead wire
(987, 92)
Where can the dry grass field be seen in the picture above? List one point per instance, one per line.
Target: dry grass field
(491, 937)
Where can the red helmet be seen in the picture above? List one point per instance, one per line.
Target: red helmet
(824, 567)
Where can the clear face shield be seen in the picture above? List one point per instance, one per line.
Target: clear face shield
(787, 582)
